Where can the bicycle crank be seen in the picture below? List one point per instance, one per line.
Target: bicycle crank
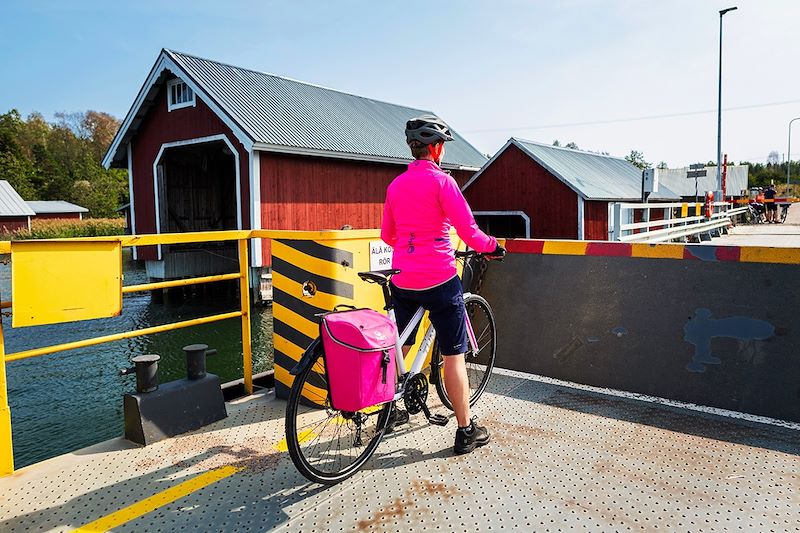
(415, 399)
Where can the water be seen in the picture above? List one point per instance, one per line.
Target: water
(65, 401)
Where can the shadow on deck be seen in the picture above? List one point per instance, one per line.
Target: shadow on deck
(559, 457)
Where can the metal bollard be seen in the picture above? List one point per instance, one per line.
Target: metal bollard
(196, 360)
(146, 369)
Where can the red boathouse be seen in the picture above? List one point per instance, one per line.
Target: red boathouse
(210, 146)
(540, 191)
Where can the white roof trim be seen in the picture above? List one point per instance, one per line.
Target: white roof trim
(297, 150)
(165, 62)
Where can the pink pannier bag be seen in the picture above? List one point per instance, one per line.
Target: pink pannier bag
(359, 356)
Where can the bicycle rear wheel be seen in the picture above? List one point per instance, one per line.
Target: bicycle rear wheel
(480, 362)
(328, 446)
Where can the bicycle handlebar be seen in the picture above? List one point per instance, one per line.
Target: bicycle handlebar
(469, 254)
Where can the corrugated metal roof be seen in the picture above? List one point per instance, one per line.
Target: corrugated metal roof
(676, 180)
(593, 176)
(280, 112)
(11, 203)
(41, 207)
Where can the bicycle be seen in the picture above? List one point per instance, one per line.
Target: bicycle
(754, 214)
(328, 446)
(784, 212)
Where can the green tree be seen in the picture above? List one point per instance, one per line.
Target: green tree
(62, 160)
(15, 167)
(636, 158)
(19, 173)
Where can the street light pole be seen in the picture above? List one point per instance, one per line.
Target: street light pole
(719, 109)
(789, 154)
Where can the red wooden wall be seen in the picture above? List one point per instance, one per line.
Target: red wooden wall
(595, 220)
(59, 216)
(317, 193)
(515, 182)
(9, 224)
(161, 126)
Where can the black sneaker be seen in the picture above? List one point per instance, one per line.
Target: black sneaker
(469, 438)
(398, 417)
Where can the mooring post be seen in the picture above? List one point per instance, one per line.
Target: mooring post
(196, 360)
(6, 444)
(146, 370)
(244, 296)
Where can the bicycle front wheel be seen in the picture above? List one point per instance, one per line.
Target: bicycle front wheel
(328, 446)
(480, 361)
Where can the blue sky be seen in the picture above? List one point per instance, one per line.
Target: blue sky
(492, 69)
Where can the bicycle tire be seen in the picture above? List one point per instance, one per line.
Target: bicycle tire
(312, 423)
(480, 364)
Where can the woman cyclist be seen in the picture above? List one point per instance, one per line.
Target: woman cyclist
(422, 204)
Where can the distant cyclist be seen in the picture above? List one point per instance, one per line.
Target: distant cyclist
(422, 204)
(758, 204)
(770, 205)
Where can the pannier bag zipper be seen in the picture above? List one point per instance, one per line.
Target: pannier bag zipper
(385, 365)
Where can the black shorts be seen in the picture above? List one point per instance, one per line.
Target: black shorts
(445, 303)
(772, 206)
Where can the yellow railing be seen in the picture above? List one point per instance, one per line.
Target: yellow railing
(242, 238)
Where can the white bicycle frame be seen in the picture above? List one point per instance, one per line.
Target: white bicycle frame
(422, 351)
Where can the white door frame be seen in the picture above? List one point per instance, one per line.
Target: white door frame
(198, 140)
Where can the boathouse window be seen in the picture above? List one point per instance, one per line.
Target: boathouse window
(179, 95)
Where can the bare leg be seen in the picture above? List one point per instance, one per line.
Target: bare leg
(457, 385)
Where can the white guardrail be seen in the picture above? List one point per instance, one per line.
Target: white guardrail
(673, 223)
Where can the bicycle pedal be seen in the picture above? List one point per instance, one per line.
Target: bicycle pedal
(438, 420)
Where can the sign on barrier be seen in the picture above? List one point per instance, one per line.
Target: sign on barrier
(65, 281)
(380, 255)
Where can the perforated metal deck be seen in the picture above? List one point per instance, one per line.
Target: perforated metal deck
(560, 459)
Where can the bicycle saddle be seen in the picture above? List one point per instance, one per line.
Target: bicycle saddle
(380, 277)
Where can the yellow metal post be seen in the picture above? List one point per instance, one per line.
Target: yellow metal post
(244, 294)
(6, 446)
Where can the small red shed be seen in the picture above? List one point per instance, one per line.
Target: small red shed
(14, 212)
(48, 209)
(548, 192)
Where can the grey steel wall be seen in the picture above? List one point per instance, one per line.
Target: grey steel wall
(722, 334)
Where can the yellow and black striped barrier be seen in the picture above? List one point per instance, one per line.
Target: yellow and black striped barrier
(312, 272)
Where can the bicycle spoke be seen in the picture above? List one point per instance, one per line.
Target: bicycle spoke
(483, 333)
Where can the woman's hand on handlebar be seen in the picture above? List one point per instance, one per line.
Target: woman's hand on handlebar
(497, 255)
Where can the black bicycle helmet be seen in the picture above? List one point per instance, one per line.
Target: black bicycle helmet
(427, 129)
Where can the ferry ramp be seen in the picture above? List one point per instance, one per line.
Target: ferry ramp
(786, 235)
(561, 457)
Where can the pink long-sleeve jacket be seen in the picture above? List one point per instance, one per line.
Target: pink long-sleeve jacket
(422, 204)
